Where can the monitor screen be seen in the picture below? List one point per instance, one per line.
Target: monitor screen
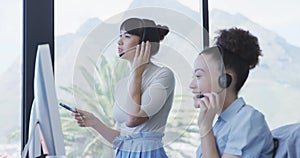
(45, 126)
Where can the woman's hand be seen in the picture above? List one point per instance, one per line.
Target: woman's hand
(84, 118)
(141, 58)
(87, 119)
(209, 107)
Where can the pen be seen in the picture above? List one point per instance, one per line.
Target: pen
(67, 107)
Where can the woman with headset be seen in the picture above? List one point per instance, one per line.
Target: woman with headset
(219, 74)
(142, 100)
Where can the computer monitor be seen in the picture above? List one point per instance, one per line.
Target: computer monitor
(45, 127)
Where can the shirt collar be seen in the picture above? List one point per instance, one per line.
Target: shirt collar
(232, 109)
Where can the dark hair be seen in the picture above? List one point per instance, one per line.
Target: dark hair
(147, 29)
(240, 52)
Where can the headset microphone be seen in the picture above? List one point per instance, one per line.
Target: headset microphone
(121, 54)
(199, 96)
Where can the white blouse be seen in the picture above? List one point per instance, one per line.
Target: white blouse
(157, 97)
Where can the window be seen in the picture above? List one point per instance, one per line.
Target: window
(10, 70)
(90, 40)
(273, 86)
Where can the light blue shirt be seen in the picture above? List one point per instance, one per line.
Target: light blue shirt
(289, 140)
(241, 130)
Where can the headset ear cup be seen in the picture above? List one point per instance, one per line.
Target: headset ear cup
(222, 81)
(225, 80)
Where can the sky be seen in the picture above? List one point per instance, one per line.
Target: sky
(10, 32)
(278, 16)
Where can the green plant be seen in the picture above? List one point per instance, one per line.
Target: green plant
(106, 75)
(179, 130)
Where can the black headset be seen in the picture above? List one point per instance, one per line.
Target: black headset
(144, 31)
(225, 79)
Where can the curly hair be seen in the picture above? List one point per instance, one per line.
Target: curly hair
(241, 52)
